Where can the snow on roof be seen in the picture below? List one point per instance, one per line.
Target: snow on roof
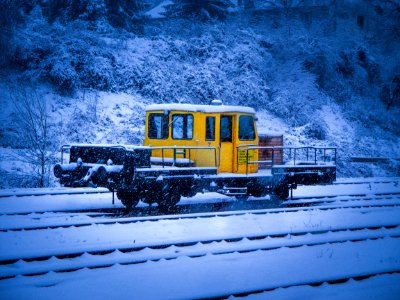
(127, 147)
(201, 108)
(270, 133)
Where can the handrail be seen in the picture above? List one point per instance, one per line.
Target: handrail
(62, 151)
(284, 147)
(281, 149)
(162, 148)
(181, 147)
(176, 148)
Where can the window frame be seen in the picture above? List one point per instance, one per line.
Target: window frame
(185, 127)
(254, 129)
(213, 128)
(229, 117)
(164, 126)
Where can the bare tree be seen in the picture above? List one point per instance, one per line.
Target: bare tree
(32, 124)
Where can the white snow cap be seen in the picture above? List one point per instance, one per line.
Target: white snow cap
(215, 108)
(216, 102)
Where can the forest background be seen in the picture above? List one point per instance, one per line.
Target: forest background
(323, 73)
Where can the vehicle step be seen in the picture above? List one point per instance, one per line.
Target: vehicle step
(234, 191)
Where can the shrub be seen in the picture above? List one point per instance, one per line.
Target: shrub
(202, 10)
(315, 130)
(67, 56)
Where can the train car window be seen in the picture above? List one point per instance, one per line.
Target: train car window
(246, 128)
(210, 128)
(182, 127)
(158, 126)
(226, 129)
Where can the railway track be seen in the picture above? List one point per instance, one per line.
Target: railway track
(317, 226)
(396, 181)
(339, 197)
(71, 261)
(81, 191)
(51, 192)
(381, 202)
(304, 201)
(312, 283)
(199, 206)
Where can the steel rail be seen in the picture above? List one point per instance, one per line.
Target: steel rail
(72, 191)
(189, 248)
(291, 207)
(77, 191)
(312, 283)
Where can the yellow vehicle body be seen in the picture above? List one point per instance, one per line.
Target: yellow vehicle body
(203, 136)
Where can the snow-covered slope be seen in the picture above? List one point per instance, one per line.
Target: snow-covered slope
(318, 82)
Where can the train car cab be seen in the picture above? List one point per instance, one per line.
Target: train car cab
(189, 135)
(196, 148)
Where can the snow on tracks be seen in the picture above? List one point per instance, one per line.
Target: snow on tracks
(69, 262)
(245, 252)
(70, 242)
(43, 221)
(24, 201)
(50, 191)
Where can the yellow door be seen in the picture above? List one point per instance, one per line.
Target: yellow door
(226, 143)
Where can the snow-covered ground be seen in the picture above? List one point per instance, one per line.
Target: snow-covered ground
(220, 275)
(310, 253)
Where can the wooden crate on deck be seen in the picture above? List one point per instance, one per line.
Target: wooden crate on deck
(270, 140)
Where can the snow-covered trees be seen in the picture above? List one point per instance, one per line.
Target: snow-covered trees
(389, 13)
(118, 13)
(245, 59)
(68, 56)
(199, 9)
(240, 60)
(125, 13)
(10, 16)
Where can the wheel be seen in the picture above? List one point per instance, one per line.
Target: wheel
(189, 192)
(169, 198)
(128, 198)
(282, 191)
(151, 196)
(258, 190)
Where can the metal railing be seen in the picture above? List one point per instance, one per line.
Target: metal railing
(183, 150)
(64, 148)
(289, 155)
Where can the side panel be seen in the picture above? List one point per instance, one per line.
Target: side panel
(242, 155)
(200, 157)
(208, 135)
(226, 137)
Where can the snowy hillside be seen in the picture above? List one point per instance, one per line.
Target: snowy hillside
(320, 78)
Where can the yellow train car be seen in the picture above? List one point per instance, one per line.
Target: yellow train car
(197, 148)
(203, 136)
